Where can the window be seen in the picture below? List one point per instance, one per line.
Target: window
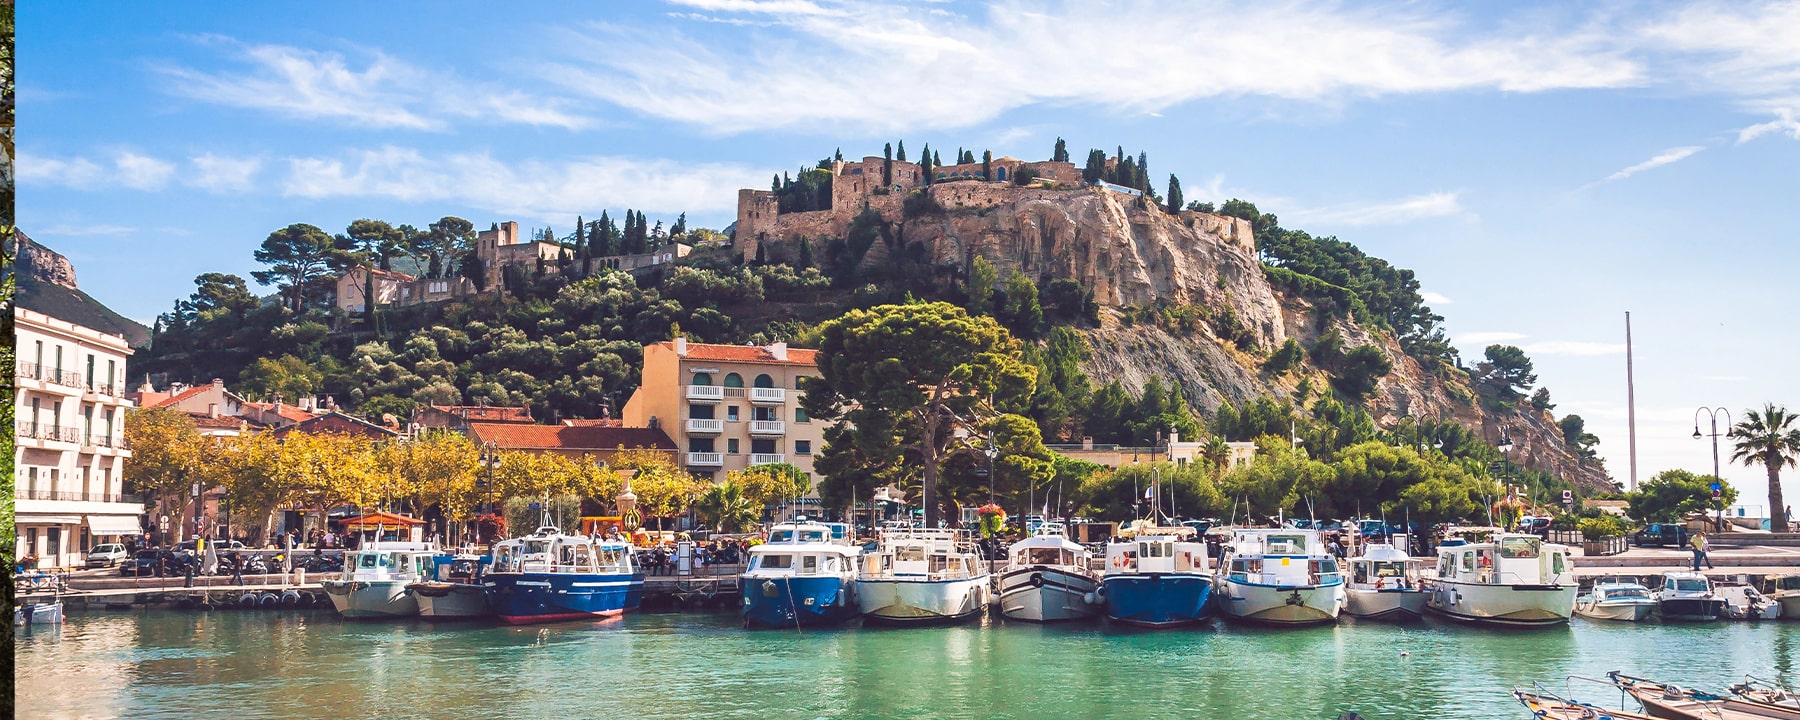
(762, 447)
(803, 447)
(797, 381)
(440, 286)
(775, 562)
(700, 412)
(734, 380)
(702, 379)
(53, 538)
(1468, 562)
(39, 357)
(731, 413)
(112, 374)
(700, 445)
(731, 445)
(766, 414)
(31, 480)
(809, 564)
(800, 415)
(59, 361)
(90, 374)
(764, 381)
(368, 560)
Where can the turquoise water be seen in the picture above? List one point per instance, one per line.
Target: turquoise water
(168, 664)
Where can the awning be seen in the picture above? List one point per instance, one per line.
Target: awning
(113, 525)
(35, 519)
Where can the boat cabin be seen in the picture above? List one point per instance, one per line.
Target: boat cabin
(1784, 584)
(390, 561)
(1281, 557)
(1686, 583)
(550, 551)
(459, 568)
(1381, 573)
(1155, 554)
(1508, 560)
(934, 554)
(768, 560)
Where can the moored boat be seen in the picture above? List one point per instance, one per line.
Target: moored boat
(1550, 707)
(1280, 576)
(549, 576)
(801, 576)
(1615, 598)
(919, 576)
(454, 589)
(1766, 692)
(41, 613)
(1384, 583)
(373, 584)
(1673, 702)
(1688, 596)
(1158, 577)
(1509, 579)
(1785, 589)
(1048, 578)
(1743, 602)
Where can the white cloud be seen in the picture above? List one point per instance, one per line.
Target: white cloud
(884, 67)
(1435, 298)
(379, 92)
(221, 174)
(124, 169)
(1417, 207)
(1573, 347)
(82, 230)
(530, 189)
(1784, 123)
(1488, 338)
(1665, 157)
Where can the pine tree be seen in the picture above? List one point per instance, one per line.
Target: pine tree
(1174, 205)
(1062, 152)
(987, 165)
(900, 151)
(1095, 169)
(838, 155)
(968, 157)
(678, 231)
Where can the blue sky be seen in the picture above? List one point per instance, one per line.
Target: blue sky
(1543, 168)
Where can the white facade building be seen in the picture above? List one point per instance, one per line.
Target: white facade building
(69, 389)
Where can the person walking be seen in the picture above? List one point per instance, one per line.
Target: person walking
(1700, 546)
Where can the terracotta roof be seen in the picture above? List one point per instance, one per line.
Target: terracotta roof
(486, 413)
(509, 435)
(745, 353)
(593, 422)
(287, 411)
(384, 518)
(308, 425)
(185, 394)
(390, 273)
(222, 422)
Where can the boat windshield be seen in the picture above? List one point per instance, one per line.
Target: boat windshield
(1519, 547)
(1285, 545)
(774, 562)
(370, 561)
(1690, 585)
(1627, 593)
(1791, 582)
(1044, 556)
(781, 536)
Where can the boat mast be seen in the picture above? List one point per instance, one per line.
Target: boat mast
(1630, 405)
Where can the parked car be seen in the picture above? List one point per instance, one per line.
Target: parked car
(187, 546)
(1539, 526)
(1661, 534)
(142, 564)
(106, 555)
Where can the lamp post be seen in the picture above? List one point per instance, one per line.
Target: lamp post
(1712, 415)
(1505, 447)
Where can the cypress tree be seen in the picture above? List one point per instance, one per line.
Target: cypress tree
(775, 185)
(806, 256)
(987, 165)
(1143, 172)
(1061, 154)
(937, 160)
(1174, 205)
(925, 164)
(900, 151)
(602, 242)
(887, 164)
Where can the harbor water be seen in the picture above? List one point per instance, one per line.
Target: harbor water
(170, 664)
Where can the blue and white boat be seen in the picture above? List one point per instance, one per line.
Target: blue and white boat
(455, 589)
(549, 576)
(1280, 576)
(920, 576)
(801, 576)
(1048, 577)
(1159, 577)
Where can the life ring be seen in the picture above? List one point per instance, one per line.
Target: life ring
(1037, 580)
(1118, 561)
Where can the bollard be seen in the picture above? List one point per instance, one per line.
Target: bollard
(299, 576)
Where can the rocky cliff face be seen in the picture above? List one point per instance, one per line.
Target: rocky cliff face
(43, 264)
(1132, 253)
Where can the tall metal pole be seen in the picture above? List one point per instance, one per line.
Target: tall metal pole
(1713, 419)
(1630, 404)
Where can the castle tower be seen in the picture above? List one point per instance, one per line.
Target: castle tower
(756, 219)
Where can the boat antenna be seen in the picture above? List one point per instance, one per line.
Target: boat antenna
(1309, 509)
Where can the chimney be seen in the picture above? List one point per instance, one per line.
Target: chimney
(1174, 437)
(212, 410)
(681, 345)
(1087, 442)
(779, 351)
(219, 383)
(307, 403)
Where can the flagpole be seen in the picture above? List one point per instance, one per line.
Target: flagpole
(1630, 405)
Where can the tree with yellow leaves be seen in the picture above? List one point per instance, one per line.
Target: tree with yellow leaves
(435, 468)
(168, 455)
(663, 489)
(335, 469)
(765, 485)
(255, 479)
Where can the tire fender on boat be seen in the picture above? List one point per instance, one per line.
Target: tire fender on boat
(1037, 580)
(1091, 598)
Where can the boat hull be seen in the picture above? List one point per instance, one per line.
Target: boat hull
(1622, 611)
(1281, 604)
(1691, 609)
(1508, 605)
(50, 613)
(451, 601)
(1790, 606)
(787, 601)
(1042, 593)
(908, 601)
(371, 599)
(524, 598)
(1158, 600)
(1384, 604)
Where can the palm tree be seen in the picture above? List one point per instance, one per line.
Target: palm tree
(725, 508)
(1770, 439)
(1217, 452)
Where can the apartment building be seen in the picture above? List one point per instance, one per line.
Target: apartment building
(728, 407)
(69, 406)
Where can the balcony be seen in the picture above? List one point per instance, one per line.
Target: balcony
(105, 442)
(68, 496)
(26, 430)
(767, 458)
(705, 459)
(701, 426)
(101, 389)
(768, 427)
(705, 393)
(768, 396)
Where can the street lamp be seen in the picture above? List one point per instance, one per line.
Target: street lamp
(1712, 415)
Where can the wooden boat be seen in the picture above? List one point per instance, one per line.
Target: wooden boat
(1550, 707)
(1673, 702)
(1766, 692)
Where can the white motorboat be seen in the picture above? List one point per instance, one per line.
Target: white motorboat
(1743, 602)
(802, 576)
(1509, 579)
(926, 575)
(1280, 576)
(1384, 583)
(454, 590)
(1687, 595)
(1785, 589)
(1615, 598)
(1047, 578)
(43, 613)
(375, 578)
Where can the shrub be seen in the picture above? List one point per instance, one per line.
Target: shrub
(1600, 528)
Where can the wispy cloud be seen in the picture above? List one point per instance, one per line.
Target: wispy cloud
(1573, 347)
(532, 189)
(1784, 123)
(66, 230)
(375, 90)
(221, 174)
(1392, 212)
(885, 67)
(1486, 338)
(124, 168)
(1665, 157)
(1746, 50)
(1435, 298)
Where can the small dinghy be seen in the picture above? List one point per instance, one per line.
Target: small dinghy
(1550, 707)
(1674, 702)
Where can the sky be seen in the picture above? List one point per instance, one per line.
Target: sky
(1544, 168)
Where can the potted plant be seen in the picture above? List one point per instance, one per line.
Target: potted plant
(993, 517)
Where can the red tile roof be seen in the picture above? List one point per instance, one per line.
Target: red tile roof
(562, 437)
(185, 394)
(222, 422)
(486, 413)
(288, 412)
(745, 353)
(593, 422)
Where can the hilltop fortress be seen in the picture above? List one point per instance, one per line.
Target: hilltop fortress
(969, 188)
